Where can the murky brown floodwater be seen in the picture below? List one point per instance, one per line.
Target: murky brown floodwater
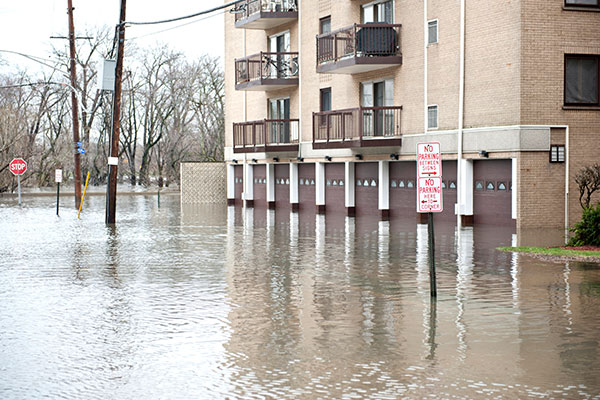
(211, 303)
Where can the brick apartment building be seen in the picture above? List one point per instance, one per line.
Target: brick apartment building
(326, 101)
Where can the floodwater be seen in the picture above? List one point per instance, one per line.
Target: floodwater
(223, 303)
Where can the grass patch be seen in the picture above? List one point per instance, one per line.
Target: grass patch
(553, 251)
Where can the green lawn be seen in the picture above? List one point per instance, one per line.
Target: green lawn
(552, 251)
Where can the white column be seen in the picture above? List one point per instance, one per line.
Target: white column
(320, 185)
(230, 182)
(514, 188)
(294, 183)
(249, 183)
(349, 187)
(270, 183)
(465, 190)
(384, 186)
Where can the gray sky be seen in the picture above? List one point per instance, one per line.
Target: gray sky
(26, 25)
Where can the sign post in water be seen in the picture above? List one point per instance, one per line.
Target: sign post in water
(58, 180)
(429, 196)
(18, 166)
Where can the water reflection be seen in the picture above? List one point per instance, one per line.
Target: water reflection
(225, 302)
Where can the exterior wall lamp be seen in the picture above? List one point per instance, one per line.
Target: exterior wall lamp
(394, 156)
(359, 156)
(484, 154)
(328, 158)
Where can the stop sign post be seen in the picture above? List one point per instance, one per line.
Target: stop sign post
(18, 166)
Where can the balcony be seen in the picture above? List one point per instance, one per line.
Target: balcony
(266, 71)
(264, 14)
(357, 127)
(268, 135)
(359, 48)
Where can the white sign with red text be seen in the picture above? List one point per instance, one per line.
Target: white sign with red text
(429, 178)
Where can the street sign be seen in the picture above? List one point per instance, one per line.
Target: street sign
(79, 144)
(18, 166)
(429, 178)
(81, 151)
(429, 159)
(58, 176)
(429, 195)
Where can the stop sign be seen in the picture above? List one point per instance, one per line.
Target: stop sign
(18, 166)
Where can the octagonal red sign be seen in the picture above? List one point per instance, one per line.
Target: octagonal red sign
(18, 166)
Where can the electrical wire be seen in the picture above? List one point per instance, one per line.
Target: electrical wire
(231, 3)
(178, 26)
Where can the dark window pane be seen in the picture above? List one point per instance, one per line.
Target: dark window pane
(325, 25)
(582, 2)
(581, 86)
(326, 99)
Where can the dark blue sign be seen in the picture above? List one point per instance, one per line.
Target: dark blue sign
(81, 151)
(79, 144)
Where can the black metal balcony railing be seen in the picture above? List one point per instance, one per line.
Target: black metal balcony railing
(266, 135)
(263, 66)
(247, 8)
(361, 43)
(364, 126)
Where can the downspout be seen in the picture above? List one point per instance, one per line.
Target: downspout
(245, 117)
(425, 39)
(567, 148)
(461, 111)
(300, 108)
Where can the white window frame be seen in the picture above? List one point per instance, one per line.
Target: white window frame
(437, 117)
(437, 31)
(379, 2)
(374, 81)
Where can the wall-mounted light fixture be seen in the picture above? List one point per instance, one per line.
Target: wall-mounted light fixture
(328, 158)
(276, 159)
(254, 160)
(234, 161)
(358, 156)
(394, 156)
(484, 154)
(300, 159)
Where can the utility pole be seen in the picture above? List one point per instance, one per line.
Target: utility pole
(74, 108)
(113, 155)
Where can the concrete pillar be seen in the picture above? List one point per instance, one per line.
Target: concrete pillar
(465, 193)
(230, 184)
(384, 190)
(294, 197)
(320, 187)
(514, 188)
(270, 168)
(349, 189)
(249, 185)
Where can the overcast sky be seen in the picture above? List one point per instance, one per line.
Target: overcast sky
(26, 25)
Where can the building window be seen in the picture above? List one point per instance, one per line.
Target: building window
(582, 3)
(581, 80)
(557, 154)
(478, 185)
(501, 186)
(490, 186)
(432, 117)
(378, 11)
(325, 99)
(325, 25)
(432, 32)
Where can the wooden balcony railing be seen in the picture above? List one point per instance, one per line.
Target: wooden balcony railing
(247, 8)
(359, 40)
(266, 66)
(266, 135)
(363, 126)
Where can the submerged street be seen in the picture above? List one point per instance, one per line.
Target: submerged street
(216, 302)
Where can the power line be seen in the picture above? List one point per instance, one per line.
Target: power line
(178, 26)
(231, 3)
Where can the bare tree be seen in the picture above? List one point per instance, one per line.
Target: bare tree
(588, 180)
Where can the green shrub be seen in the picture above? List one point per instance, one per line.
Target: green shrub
(587, 231)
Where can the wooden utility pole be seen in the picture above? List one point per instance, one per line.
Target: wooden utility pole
(74, 108)
(113, 159)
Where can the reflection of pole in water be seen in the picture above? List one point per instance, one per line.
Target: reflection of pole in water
(431, 329)
(248, 230)
(514, 274)
(383, 242)
(422, 258)
(349, 237)
(464, 261)
(567, 306)
(270, 229)
(320, 238)
(230, 243)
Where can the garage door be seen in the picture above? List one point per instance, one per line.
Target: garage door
(239, 183)
(366, 192)
(403, 192)
(282, 185)
(260, 186)
(334, 188)
(306, 186)
(492, 192)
